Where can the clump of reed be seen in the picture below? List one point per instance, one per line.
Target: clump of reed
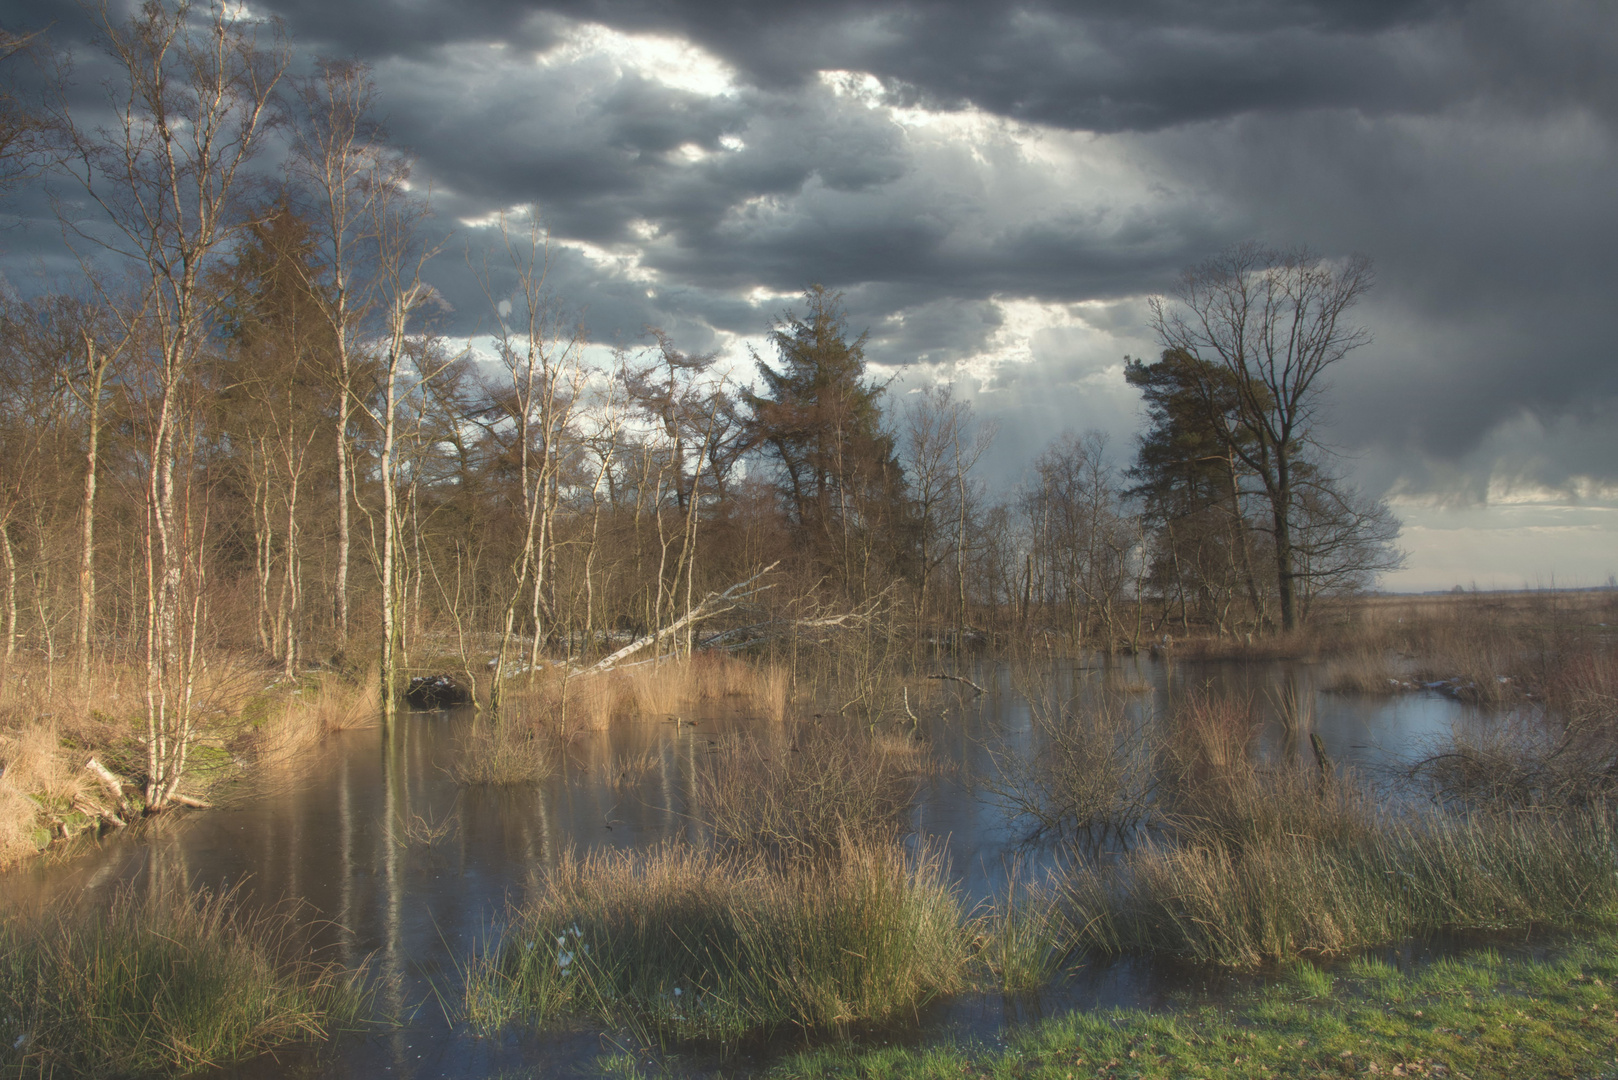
(1287, 895)
(700, 944)
(1024, 937)
(161, 988)
(513, 750)
(803, 793)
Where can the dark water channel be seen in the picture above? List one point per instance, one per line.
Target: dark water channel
(414, 873)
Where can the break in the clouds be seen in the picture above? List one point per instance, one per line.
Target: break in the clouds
(997, 188)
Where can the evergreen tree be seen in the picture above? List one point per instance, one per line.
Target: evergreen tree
(819, 423)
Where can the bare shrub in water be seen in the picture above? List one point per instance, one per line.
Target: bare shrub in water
(510, 751)
(1088, 773)
(1565, 756)
(161, 988)
(1526, 761)
(801, 793)
(696, 944)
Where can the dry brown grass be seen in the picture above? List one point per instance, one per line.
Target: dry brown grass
(49, 726)
(301, 718)
(38, 787)
(1584, 688)
(676, 686)
(1367, 671)
(1473, 638)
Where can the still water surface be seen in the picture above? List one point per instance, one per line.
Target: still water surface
(333, 836)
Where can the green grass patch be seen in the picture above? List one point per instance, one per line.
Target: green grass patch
(1478, 1017)
(162, 987)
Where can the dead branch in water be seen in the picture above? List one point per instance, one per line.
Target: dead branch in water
(716, 603)
(959, 679)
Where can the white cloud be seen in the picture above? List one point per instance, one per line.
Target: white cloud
(671, 61)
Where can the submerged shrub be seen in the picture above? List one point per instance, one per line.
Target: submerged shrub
(161, 988)
(697, 944)
(805, 792)
(1089, 773)
(504, 752)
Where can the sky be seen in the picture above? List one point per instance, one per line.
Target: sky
(997, 189)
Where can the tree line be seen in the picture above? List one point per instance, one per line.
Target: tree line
(244, 427)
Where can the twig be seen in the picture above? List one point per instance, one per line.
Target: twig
(959, 679)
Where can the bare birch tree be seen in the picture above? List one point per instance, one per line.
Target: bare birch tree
(341, 159)
(543, 382)
(402, 295)
(191, 106)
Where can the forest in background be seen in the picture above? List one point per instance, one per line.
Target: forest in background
(244, 430)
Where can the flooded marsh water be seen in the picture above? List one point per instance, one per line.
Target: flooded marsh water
(411, 873)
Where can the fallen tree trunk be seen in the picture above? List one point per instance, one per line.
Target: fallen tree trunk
(115, 784)
(92, 809)
(712, 604)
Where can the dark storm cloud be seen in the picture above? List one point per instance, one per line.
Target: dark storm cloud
(1467, 146)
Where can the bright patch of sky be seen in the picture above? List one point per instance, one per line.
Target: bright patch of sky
(1534, 542)
(670, 61)
(622, 261)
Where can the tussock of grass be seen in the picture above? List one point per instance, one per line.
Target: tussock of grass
(161, 988)
(1274, 894)
(1025, 939)
(695, 944)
